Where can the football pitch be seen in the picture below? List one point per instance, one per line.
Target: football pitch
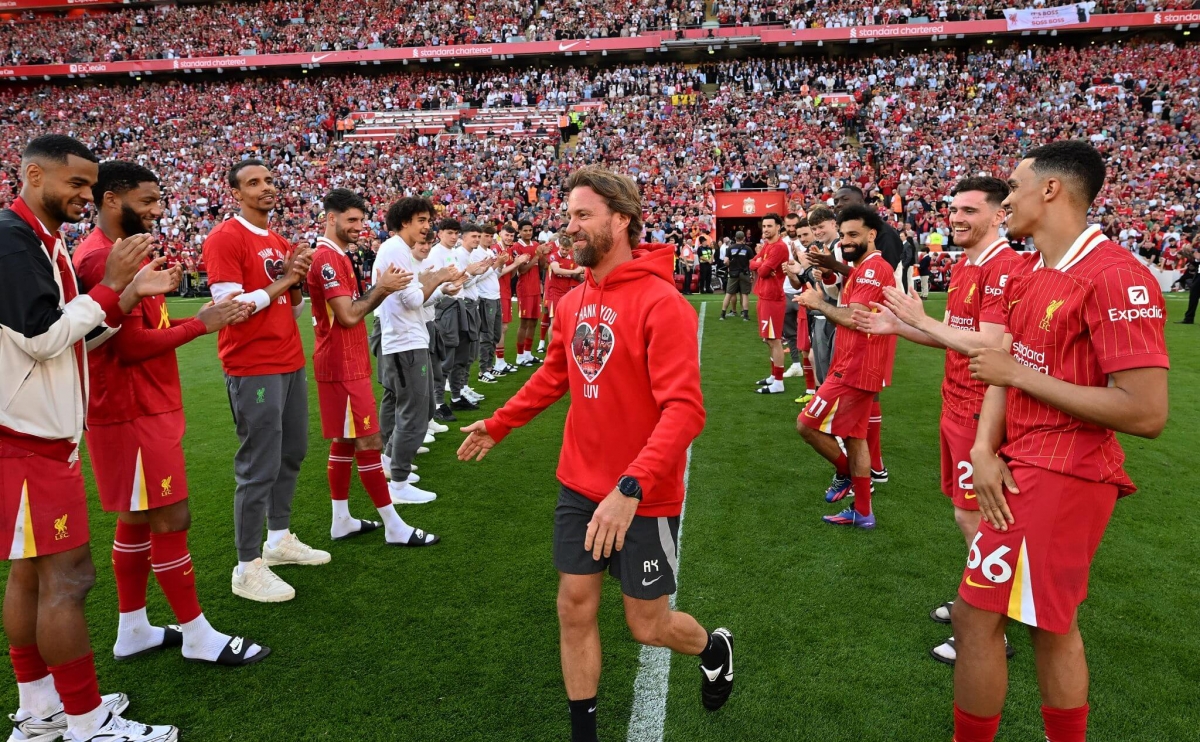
(460, 641)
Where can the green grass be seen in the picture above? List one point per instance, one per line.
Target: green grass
(459, 642)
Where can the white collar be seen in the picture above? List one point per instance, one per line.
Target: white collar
(990, 251)
(330, 244)
(256, 230)
(1083, 245)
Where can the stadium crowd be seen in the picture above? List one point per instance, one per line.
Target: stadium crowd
(916, 123)
(284, 26)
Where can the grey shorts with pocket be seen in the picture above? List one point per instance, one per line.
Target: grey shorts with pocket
(646, 565)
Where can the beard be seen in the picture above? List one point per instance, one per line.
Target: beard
(56, 210)
(852, 252)
(131, 223)
(590, 255)
(349, 239)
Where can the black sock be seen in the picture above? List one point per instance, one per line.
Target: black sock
(583, 720)
(713, 655)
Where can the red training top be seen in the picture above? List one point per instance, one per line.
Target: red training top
(556, 286)
(626, 349)
(528, 283)
(1099, 312)
(268, 342)
(339, 353)
(976, 295)
(768, 264)
(134, 373)
(860, 360)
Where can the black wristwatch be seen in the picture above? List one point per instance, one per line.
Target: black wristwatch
(630, 487)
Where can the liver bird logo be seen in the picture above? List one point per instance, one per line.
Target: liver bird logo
(1053, 307)
(166, 487)
(60, 528)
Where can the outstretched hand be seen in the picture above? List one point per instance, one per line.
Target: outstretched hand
(478, 442)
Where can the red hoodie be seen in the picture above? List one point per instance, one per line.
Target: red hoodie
(633, 370)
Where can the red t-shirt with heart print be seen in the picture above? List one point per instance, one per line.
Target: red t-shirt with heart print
(268, 342)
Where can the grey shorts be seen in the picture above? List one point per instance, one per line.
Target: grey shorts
(739, 284)
(646, 565)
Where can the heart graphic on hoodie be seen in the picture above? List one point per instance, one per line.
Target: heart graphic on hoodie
(591, 348)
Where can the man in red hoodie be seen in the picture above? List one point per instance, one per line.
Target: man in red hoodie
(624, 344)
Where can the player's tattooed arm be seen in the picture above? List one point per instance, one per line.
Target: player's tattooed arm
(350, 312)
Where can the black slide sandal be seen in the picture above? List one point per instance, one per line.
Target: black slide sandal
(235, 656)
(418, 538)
(364, 526)
(172, 637)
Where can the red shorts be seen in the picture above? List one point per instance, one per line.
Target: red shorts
(803, 341)
(139, 464)
(957, 440)
(839, 410)
(1037, 571)
(770, 319)
(551, 303)
(347, 409)
(43, 503)
(505, 301)
(529, 307)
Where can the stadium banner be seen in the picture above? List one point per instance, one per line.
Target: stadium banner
(1022, 19)
(760, 35)
(22, 5)
(743, 204)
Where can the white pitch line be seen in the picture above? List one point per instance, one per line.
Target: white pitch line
(649, 715)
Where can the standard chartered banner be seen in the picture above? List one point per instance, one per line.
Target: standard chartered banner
(1063, 15)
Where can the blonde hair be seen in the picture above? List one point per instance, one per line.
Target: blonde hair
(620, 194)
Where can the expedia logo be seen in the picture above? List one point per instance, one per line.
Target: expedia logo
(995, 290)
(869, 273)
(1139, 296)
(85, 68)
(1133, 315)
(869, 282)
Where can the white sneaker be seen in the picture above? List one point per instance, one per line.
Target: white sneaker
(422, 449)
(292, 550)
(436, 427)
(486, 378)
(447, 384)
(793, 371)
(259, 583)
(429, 439)
(407, 494)
(472, 395)
(412, 467)
(413, 479)
(387, 466)
(28, 728)
(118, 729)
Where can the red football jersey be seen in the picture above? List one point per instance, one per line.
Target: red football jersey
(860, 360)
(530, 282)
(269, 342)
(506, 293)
(134, 373)
(768, 264)
(1100, 311)
(976, 295)
(339, 353)
(559, 285)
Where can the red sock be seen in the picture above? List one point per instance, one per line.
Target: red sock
(545, 325)
(776, 372)
(500, 352)
(370, 473)
(972, 728)
(874, 424)
(175, 573)
(131, 565)
(862, 494)
(28, 664)
(77, 686)
(341, 459)
(1065, 725)
(810, 378)
(842, 465)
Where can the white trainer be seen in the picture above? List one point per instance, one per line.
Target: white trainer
(429, 439)
(29, 728)
(412, 467)
(436, 427)
(422, 449)
(118, 729)
(259, 583)
(387, 466)
(292, 550)
(413, 479)
(472, 395)
(793, 371)
(407, 494)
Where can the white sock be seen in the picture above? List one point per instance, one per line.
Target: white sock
(39, 698)
(777, 384)
(394, 527)
(341, 510)
(202, 642)
(85, 726)
(241, 568)
(343, 523)
(135, 633)
(275, 538)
